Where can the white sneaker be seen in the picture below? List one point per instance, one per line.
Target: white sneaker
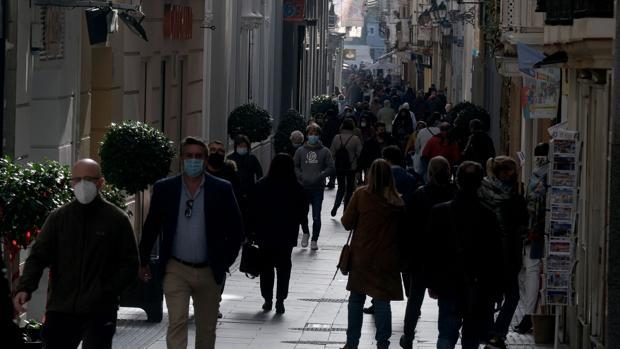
(304, 240)
(314, 246)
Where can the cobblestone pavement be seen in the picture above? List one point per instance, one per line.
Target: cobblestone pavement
(315, 310)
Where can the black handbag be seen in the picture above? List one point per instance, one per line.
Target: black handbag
(250, 260)
(344, 262)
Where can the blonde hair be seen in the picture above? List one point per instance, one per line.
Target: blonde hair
(437, 164)
(381, 182)
(501, 163)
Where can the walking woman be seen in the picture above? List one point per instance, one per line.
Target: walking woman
(277, 206)
(375, 214)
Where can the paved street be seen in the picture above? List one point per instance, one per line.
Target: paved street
(315, 310)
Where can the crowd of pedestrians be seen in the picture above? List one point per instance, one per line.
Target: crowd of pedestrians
(427, 215)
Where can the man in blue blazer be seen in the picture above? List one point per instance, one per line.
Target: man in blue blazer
(201, 233)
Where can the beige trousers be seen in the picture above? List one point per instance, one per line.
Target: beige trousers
(180, 283)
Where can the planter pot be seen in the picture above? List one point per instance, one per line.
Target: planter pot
(544, 328)
(147, 296)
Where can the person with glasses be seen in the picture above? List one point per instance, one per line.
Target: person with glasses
(90, 249)
(201, 233)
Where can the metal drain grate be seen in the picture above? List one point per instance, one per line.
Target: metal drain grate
(314, 342)
(320, 329)
(325, 300)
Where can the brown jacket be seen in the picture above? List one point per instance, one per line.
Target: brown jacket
(375, 257)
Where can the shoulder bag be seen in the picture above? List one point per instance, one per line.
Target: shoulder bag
(344, 263)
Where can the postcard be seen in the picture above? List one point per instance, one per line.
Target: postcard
(561, 212)
(557, 262)
(563, 179)
(560, 246)
(564, 146)
(563, 195)
(557, 297)
(560, 229)
(564, 163)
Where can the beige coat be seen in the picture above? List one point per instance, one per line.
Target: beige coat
(375, 254)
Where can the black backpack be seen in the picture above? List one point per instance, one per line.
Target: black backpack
(343, 163)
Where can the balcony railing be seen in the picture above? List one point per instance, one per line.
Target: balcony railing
(563, 12)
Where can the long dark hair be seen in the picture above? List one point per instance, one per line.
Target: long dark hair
(282, 170)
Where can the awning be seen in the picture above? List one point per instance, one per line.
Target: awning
(386, 55)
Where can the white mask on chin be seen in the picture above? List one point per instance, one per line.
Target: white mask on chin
(85, 192)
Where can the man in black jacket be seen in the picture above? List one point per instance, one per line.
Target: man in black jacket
(464, 261)
(91, 251)
(201, 233)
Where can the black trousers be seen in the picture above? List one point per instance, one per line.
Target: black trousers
(414, 304)
(66, 331)
(346, 187)
(280, 260)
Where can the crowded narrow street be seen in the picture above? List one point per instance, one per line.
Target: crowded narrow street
(316, 309)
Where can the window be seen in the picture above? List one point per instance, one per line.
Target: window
(52, 32)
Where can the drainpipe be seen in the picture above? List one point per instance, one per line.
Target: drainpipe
(2, 70)
(207, 37)
(613, 276)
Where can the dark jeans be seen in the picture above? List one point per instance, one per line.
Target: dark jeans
(511, 300)
(452, 317)
(414, 304)
(280, 260)
(383, 320)
(66, 331)
(346, 187)
(315, 198)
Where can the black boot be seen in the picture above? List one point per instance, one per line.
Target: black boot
(267, 305)
(525, 326)
(370, 310)
(280, 307)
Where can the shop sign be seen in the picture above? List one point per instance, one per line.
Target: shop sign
(178, 22)
(294, 10)
(540, 94)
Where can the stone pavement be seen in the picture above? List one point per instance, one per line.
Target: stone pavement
(316, 310)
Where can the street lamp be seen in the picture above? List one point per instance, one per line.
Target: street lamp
(442, 10)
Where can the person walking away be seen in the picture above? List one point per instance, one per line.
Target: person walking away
(410, 147)
(346, 149)
(462, 267)
(442, 145)
(386, 115)
(90, 249)
(499, 194)
(375, 106)
(420, 107)
(422, 138)
(405, 183)
(313, 164)
(480, 147)
(375, 215)
(439, 189)
(402, 127)
(196, 218)
(278, 205)
(533, 251)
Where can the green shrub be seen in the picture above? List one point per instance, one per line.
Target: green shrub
(291, 121)
(321, 104)
(28, 193)
(250, 120)
(135, 155)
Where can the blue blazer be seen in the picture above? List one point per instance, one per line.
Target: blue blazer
(224, 230)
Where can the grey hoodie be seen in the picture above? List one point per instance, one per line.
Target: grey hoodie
(313, 163)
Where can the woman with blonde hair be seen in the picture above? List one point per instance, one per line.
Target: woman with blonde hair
(375, 214)
(499, 193)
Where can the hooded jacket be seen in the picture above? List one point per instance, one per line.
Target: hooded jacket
(313, 163)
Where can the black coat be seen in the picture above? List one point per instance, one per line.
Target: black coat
(422, 201)
(464, 246)
(479, 148)
(249, 171)
(275, 211)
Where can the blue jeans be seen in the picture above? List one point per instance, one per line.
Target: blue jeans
(383, 320)
(315, 198)
(452, 317)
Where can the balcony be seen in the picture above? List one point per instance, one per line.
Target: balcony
(564, 12)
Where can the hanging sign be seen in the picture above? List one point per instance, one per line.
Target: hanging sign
(540, 94)
(294, 10)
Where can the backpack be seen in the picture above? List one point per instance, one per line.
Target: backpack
(343, 163)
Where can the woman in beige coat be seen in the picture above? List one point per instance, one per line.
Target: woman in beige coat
(375, 213)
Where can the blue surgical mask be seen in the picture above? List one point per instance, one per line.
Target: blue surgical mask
(313, 139)
(193, 167)
(242, 151)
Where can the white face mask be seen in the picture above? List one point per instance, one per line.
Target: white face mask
(85, 192)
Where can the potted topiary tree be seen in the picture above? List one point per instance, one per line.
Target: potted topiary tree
(460, 116)
(250, 120)
(321, 104)
(28, 194)
(135, 155)
(291, 121)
